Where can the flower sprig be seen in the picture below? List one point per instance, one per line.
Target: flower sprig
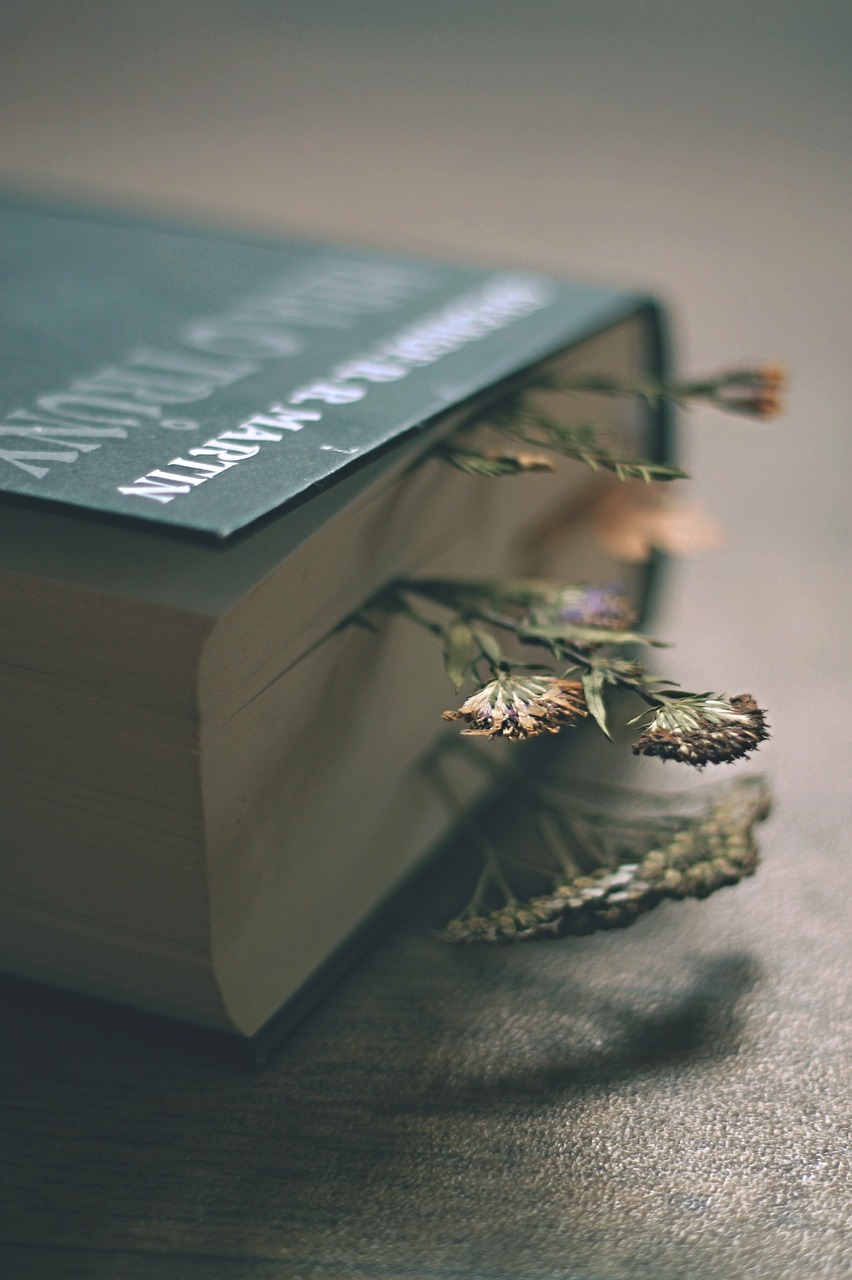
(585, 635)
(544, 656)
(753, 392)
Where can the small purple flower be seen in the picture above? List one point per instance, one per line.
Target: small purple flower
(605, 606)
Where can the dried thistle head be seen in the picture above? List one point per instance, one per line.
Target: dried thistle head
(512, 706)
(703, 729)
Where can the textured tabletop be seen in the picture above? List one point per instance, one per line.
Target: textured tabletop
(667, 1103)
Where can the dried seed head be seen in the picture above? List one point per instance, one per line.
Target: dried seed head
(521, 707)
(704, 730)
(615, 898)
(756, 392)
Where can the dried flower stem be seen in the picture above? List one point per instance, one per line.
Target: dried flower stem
(752, 392)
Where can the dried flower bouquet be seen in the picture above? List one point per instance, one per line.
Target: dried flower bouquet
(544, 656)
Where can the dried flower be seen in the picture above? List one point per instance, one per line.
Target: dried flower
(756, 392)
(607, 607)
(700, 730)
(630, 520)
(521, 706)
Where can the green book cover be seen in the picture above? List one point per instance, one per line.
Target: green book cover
(202, 381)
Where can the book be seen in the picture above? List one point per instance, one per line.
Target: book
(214, 449)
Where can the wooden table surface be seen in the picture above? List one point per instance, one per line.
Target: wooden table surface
(671, 1102)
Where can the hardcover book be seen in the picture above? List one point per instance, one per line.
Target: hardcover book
(214, 449)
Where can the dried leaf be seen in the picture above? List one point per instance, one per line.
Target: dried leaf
(494, 464)
(573, 633)
(488, 643)
(459, 651)
(593, 685)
